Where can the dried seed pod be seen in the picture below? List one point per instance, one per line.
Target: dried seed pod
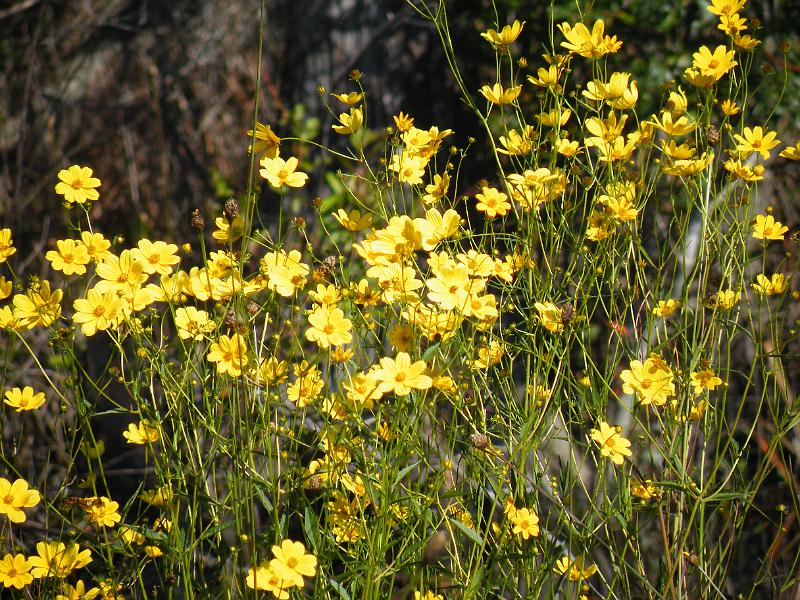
(567, 313)
(712, 135)
(479, 441)
(231, 209)
(230, 319)
(198, 222)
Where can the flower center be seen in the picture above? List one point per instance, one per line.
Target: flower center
(400, 377)
(99, 311)
(76, 184)
(291, 563)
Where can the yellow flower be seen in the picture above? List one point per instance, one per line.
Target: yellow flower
(505, 37)
(704, 380)
(716, 64)
(230, 354)
(103, 511)
(286, 272)
(6, 288)
(77, 185)
(98, 311)
(665, 308)
(351, 98)
(24, 399)
(54, 559)
(280, 172)
(644, 490)
(71, 257)
(767, 228)
(156, 257)
(409, 169)
(744, 171)
(262, 577)
(612, 444)
(674, 127)
(38, 306)
(773, 286)
(228, 232)
(130, 536)
(496, 94)
(77, 592)
(266, 142)
(192, 323)
(575, 570)
(6, 244)
(745, 42)
(15, 571)
(141, 433)
(525, 522)
(399, 375)
(492, 202)
(437, 189)
(160, 497)
(329, 327)
(350, 122)
(291, 563)
(428, 595)
(790, 152)
(652, 381)
(723, 299)
(96, 245)
(732, 24)
(725, 7)
(756, 140)
(354, 220)
(550, 316)
(16, 496)
(403, 122)
(547, 78)
(588, 44)
(123, 274)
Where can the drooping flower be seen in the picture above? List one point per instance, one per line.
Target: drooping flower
(497, 94)
(6, 244)
(770, 286)
(266, 142)
(77, 185)
(349, 122)
(16, 496)
(505, 37)
(612, 444)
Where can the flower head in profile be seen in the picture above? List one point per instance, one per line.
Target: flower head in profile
(592, 44)
(282, 172)
(612, 444)
(265, 141)
(353, 221)
(15, 571)
(141, 433)
(55, 559)
(24, 399)
(666, 308)
(770, 286)
(550, 316)
(575, 570)
(16, 496)
(349, 98)
(78, 592)
(767, 228)
(291, 563)
(77, 185)
(6, 244)
(349, 122)
(502, 39)
(39, 306)
(497, 94)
